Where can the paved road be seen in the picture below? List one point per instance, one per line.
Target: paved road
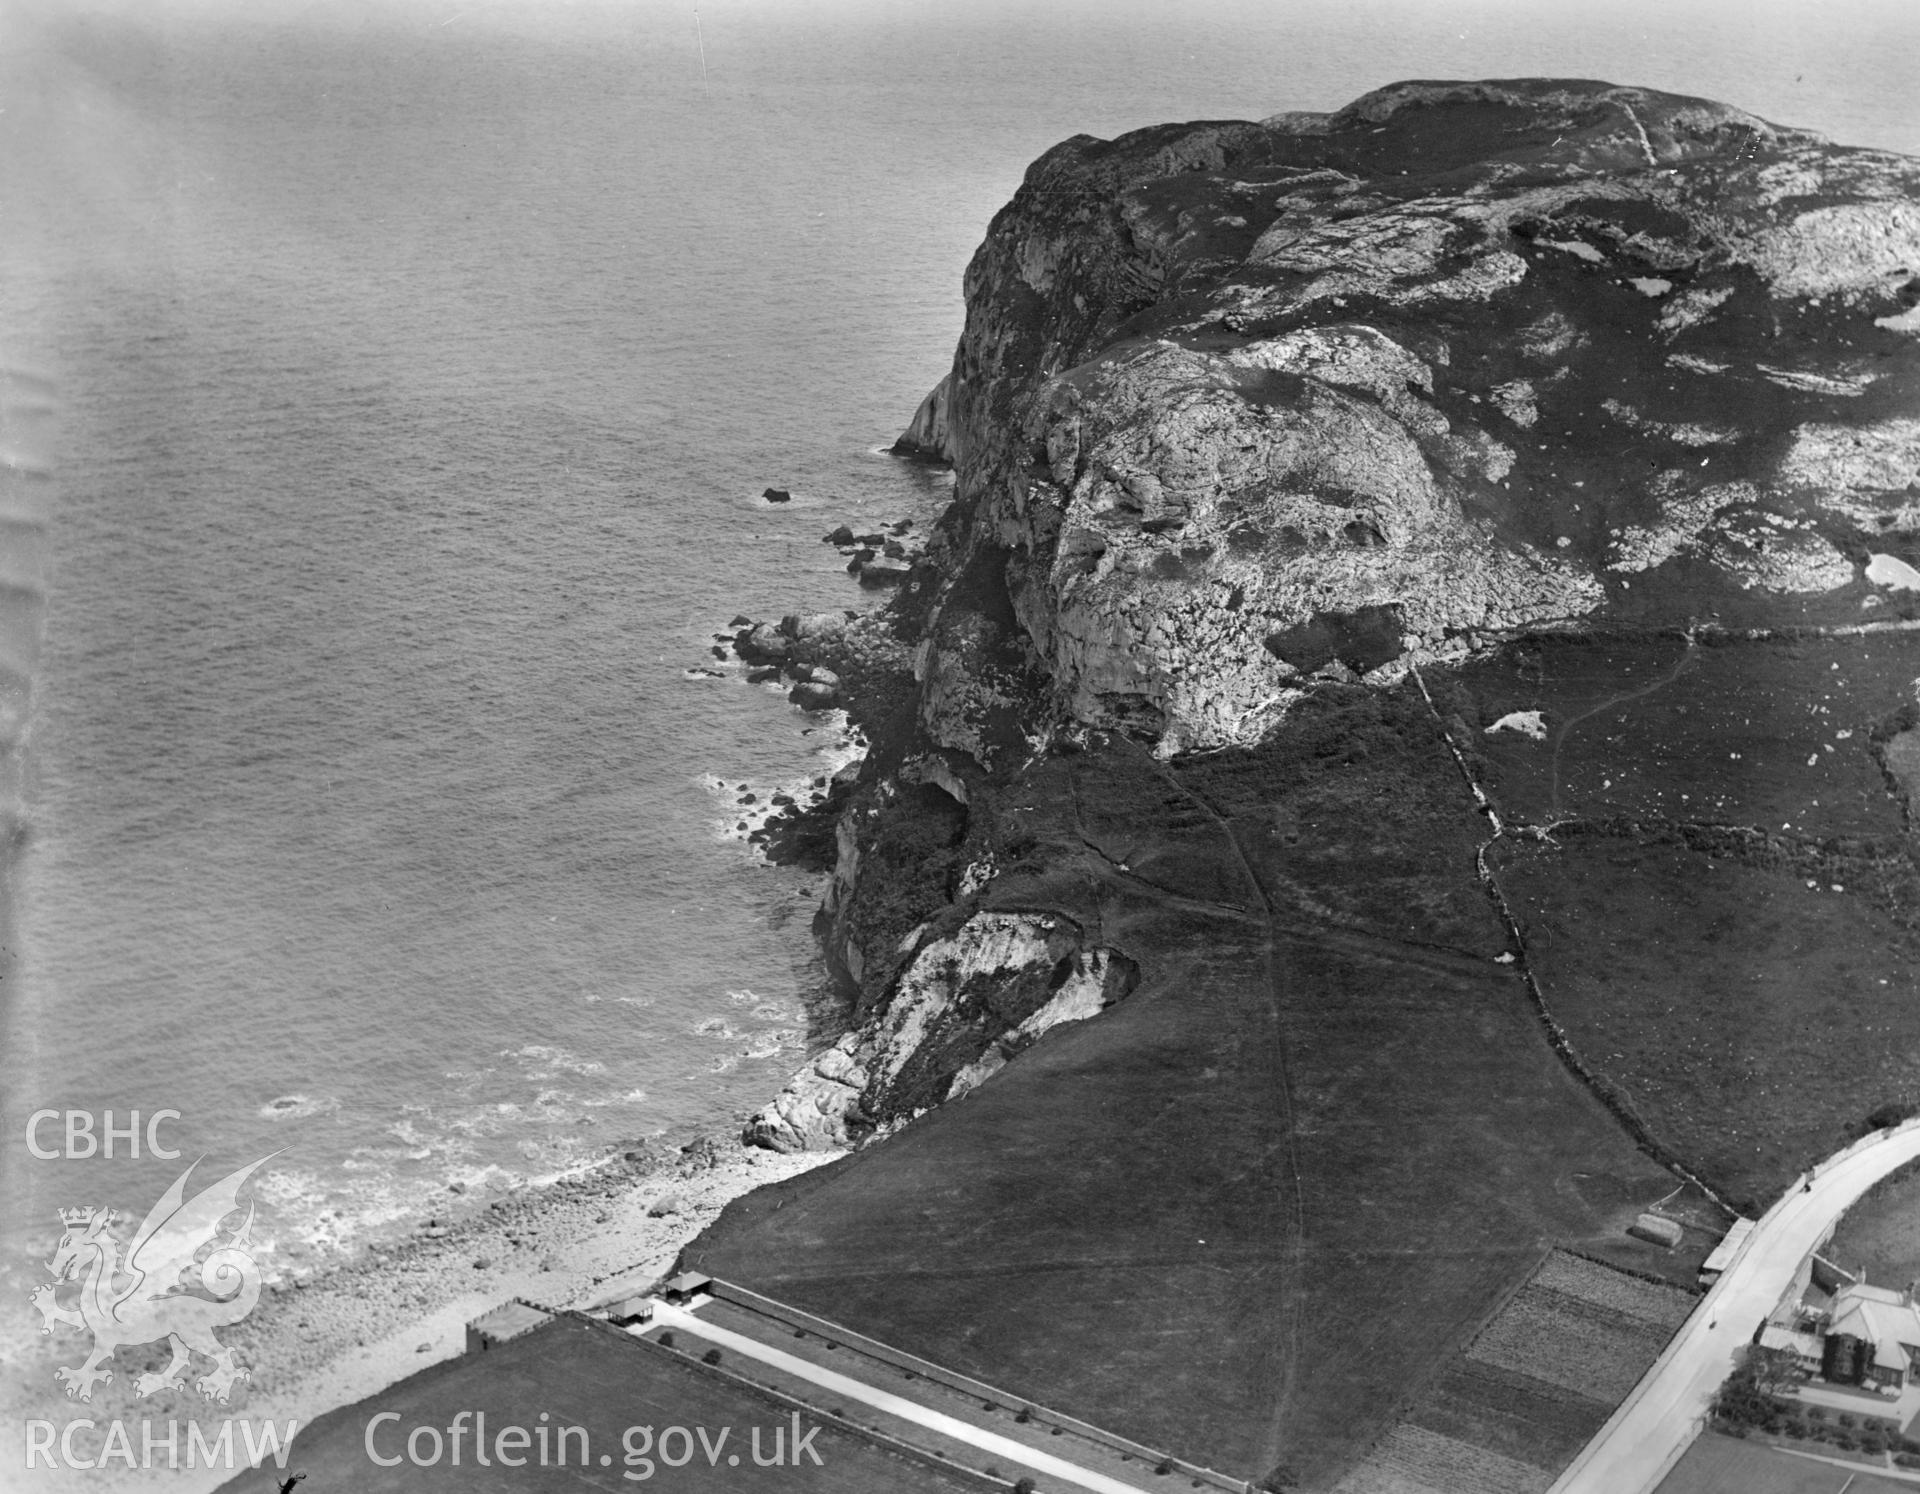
(1657, 1421)
(859, 1390)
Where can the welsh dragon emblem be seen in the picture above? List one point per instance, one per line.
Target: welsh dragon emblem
(143, 1299)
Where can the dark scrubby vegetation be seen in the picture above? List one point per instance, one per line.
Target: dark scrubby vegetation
(1757, 1398)
(911, 842)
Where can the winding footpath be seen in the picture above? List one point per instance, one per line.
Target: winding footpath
(897, 1405)
(1656, 1423)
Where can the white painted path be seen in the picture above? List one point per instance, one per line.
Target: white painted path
(1645, 1437)
(858, 1390)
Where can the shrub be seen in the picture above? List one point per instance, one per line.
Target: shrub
(1165, 1465)
(1750, 1395)
(1907, 1460)
(1883, 1116)
(1024, 1486)
(1024, 1417)
(1847, 1419)
(666, 1339)
(712, 1356)
(1816, 1413)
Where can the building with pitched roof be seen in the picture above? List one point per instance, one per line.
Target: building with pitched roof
(1872, 1338)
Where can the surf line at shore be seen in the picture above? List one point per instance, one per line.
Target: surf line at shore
(320, 1341)
(602, 1233)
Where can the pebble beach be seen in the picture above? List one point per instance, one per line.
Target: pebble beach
(326, 1339)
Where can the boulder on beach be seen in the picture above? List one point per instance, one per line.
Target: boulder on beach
(814, 626)
(814, 697)
(763, 643)
(777, 495)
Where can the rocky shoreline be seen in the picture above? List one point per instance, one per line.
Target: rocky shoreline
(324, 1339)
(326, 1336)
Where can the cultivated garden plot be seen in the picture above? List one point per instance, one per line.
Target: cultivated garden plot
(1414, 1460)
(1532, 1386)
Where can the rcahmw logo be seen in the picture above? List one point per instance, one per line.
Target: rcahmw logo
(76, 1446)
(151, 1294)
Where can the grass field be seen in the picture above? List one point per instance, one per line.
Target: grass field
(582, 1375)
(1747, 1018)
(1880, 1235)
(1778, 735)
(1245, 1214)
(1728, 1465)
(1727, 915)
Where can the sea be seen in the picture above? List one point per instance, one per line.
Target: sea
(418, 369)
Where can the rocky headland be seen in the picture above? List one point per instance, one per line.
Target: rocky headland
(1373, 774)
(1244, 412)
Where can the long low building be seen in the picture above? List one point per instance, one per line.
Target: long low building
(1722, 1254)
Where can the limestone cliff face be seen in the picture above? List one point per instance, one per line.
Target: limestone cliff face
(964, 1005)
(929, 433)
(1243, 406)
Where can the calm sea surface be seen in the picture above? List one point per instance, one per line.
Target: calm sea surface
(421, 368)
